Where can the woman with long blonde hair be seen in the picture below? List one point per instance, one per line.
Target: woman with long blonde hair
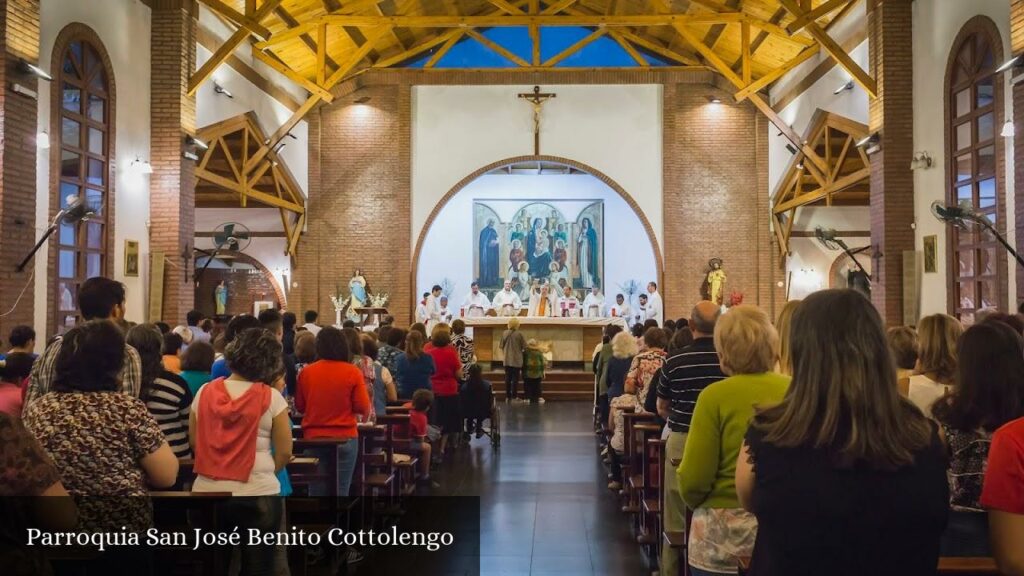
(782, 325)
(938, 336)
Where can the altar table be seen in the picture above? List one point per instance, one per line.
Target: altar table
(572, 340)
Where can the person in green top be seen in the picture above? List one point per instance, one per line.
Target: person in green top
(601, 370)
(534, 363)
(721, 531)
(196, 362)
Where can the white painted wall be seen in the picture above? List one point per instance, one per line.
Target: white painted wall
(448, 248)
(124, 28)
(936, 25)
(460, 129)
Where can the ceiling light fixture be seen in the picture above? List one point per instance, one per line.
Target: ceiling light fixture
(362, 100)
(222, 90)
(141, 166)
(870, 143)
(1011, 63)
(193, 141)
(714, 99)
(1009, 130)
(27, 67)
(844, 88)
(42, 140)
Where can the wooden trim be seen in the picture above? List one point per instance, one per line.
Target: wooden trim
(227, 48)
(819, 71)
(812, 15)
(207, 40)
(835, 50)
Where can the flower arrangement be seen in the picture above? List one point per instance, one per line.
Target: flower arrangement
(379, 300)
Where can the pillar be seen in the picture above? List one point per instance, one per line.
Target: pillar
(1017, 47)
(19, 118)
(891, 54)
(173, 182)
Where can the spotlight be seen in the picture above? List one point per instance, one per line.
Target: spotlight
(800, 165)
(869, 140)
(792, 149)
(844, 88)
(280, 145)
(362, 100)
(27, 67)
(193, 141)
(141, 166)
(922, 160)
(42, 140)
(714, 99)
(1011, 63)
(222, 90)
(1009, 130)
(292, 136)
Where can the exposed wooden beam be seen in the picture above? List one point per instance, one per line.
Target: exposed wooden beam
(715, 32)
(510, 20)
(321, 53)
(293, 242)
(558, 7)
(444, 49)
(625, 44)
(835, 50)
(280, 67)
(759, 40)
(506, 7)
(816, 13)
(239, 19)
(496, 47)
(819, 72)
(660, 50)
(210, 42)
(733, 7)
(417, 49)
(310, 44)
(579, 45)
(257, 195)
(777, 73)
(227, 48)
(745, 51)
(535, 45)
(819, 194)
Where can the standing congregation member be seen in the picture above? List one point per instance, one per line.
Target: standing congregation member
(22, 340)
(936, 364)
(171, 350)
(165, 393)
(384, 389)
(288, 321)
(533, 371)
(621, 308)
(476, 303)
(104, 442)
(721, 531)
(14, 372)
(506, 302)
(390, 349)
(445, 385)
(196, 363)
(989, 392)
(685, 374)
(414, 366)
(604, 357)
(624, 348)
(236, 326)
(193, 319)
(593, 304)
(310, 317)
(655, 306)
(1003, 497)
(844, 476)
(99, 298)
(464, 345)
(903, 345)
(782, 325)
(513, 344)
(332, 396)
(234, 423)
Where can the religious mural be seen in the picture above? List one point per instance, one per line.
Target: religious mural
(553, 241)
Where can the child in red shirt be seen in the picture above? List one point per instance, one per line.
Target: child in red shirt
(421, 433)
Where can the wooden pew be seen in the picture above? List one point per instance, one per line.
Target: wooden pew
(650, 518)
(407, 466)
(637, 484)
(947, 567)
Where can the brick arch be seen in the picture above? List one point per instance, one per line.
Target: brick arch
(658, 261)
(73, 32)
(279, 294)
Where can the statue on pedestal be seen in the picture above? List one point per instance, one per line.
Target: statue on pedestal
(220, 297)
(713, 288)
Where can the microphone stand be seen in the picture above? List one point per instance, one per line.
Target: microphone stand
(981, 220)
(852, 256)
(39, 244)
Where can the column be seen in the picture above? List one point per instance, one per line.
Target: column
(891, 54)
(173, 182)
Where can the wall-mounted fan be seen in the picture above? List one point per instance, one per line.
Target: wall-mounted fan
(831, 241)
(228, 238)
(964, 217)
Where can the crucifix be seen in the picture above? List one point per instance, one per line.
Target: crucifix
(536, 99)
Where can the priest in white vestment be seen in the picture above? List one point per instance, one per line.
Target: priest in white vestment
(433, 305)
(422, 312)
(569, 304)
(593, 304)
(506, 302)
(621, 308)
(542, 302)
(655, 307)
(476, 303)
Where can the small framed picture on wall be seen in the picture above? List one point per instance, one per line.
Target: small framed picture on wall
(931, 264)
(131, 258)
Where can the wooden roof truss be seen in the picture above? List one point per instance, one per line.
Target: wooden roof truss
(223, 181)
(843, 181)
(321, 43)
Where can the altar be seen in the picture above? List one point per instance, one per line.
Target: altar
(571, 340)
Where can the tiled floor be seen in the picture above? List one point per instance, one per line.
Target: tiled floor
(545, 508)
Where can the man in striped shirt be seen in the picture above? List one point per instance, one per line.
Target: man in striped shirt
(682, 378)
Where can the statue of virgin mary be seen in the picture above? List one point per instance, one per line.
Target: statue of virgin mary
(358, 290)
(586, 253)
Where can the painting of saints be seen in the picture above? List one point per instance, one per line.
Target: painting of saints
(560, 255)
(531, 239)
(516, 254)
(560, 234)
(541, 260)
(559, 275)
(488, 256)
(587, 254)
(517, 234)
(521, 282)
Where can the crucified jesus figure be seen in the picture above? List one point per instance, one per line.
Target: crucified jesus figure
(536, 99)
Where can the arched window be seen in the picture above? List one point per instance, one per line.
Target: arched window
(977, 264)
(82, 114)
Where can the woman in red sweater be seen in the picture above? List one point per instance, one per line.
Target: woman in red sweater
(447, 414)
(332, 397)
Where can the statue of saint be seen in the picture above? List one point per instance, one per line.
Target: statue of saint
(357, 288)
(220, 297)
(714, 283)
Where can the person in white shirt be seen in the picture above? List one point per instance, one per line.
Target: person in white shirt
(655, 307)
(569, 304)
(445, 313)
(506, 302)
(621, 308)
(476, 303)
(593, 304)
(642, 314)
(310, 316)
(433, 305)
(422, 312)
(542, 302)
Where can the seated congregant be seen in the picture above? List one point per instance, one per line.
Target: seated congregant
(903, 345)
(14, 372)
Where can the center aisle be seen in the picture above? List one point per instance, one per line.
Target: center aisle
(545, 507)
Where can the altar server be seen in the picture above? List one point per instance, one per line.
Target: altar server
(641, 314)
(569, 304)
(506, 302)
(476, 303)
(433, 305)
(422, 312)
(655, 307)
(542, 302)
(621, 308)
(593, 304)
(444, 312)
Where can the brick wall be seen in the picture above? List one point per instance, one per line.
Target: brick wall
(173, 182)
(715, 187)
(245, 286)
(1016, 47)
(892, 184)
(19, 22)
